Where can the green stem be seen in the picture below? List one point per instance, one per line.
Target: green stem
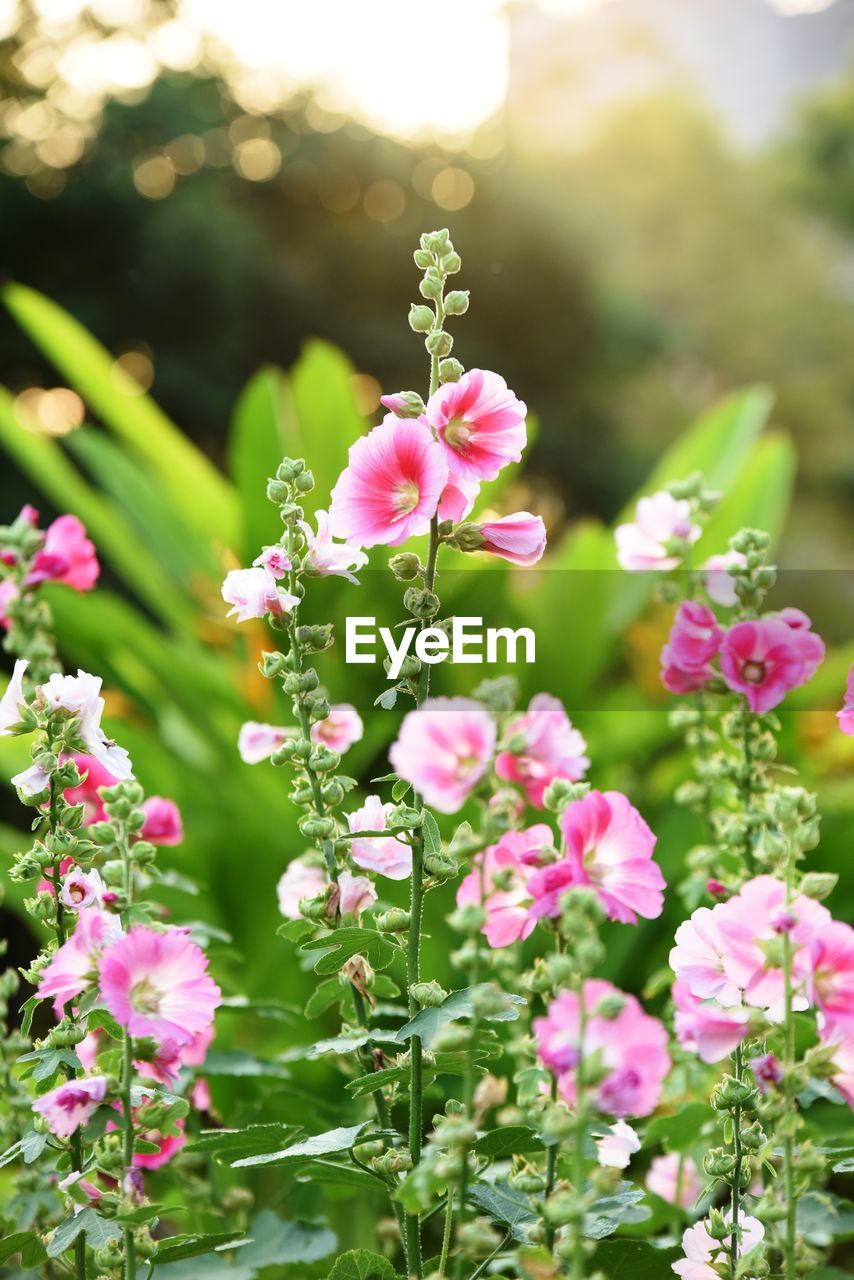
(383, 1113)
(126, 1083)
(479, 1271)
(446, 1234)
(736, 1173)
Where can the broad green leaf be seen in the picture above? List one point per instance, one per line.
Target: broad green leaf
(823, 1218)
(256, 446)
(504, 1204)
(429, 1022)
(635, 1260)
(759, 498)
(254, 1139)
(325, 420)
(359, 1264)
(238, 1062)
(340, 944)
(98, 1232)
(321, 1144)
(510, 1140)
(275, 1242)
(27, 1243)
(607, 1213)
(177, 1248)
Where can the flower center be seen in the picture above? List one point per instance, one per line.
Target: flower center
(753, 672)
(406, 497)
(144, 998)
(457, 434)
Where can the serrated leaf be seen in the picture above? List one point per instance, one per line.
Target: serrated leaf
(341, 944)
(320, 1144)
(511, 1140)
(428, 1022)
(98, 1231)
(504, 1203)
(253, 1140)
(27, 1243)
(432, 835)
(178, 1248)
(635, 1260)
(360, 1264)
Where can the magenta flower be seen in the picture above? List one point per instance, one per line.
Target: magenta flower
(354, 894)
(767, 1071)
(542, 745)
(480, 424)
(719, 582)
(706, 1027)
(519, 538)
(673, 1177)
(497, 882)
(444, 749)
(80, 697)
(257, 742)
(846, 715)
(660, 520)
(341, 729)
(458, 498)
(164, 1066)
(300, 880)
(631, 1049)
(328, 558)
(72, 1104)
(167, 1147)
(695, 638)
(253, 593)
(73, 968)
(67, 557)
(94, 776)
(9, 593)
(391, 487)
(766, 658)
(157, 984)
(610, 848)
(162, 824)
(832, 960)
(384, 854)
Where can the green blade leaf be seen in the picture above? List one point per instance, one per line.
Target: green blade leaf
(429, 1022)
(321, 1144)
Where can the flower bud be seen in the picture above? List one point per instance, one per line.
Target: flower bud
(753, 1137)
(439, 343)
(420, 318)
(405, 566)
(469, 537)
(278, 491)
(420, 602)
(818, 884)
(457, 302)
(428, 994)
(450, 263)
(717, 1225)
(450, 370)
(423, 259)
(394, 921)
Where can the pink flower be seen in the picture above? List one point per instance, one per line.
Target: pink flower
(67, 557)
(615, 1149)
(9, 593)
(842, 1061)
(257, 742)
(673, 1177)
(200, 1094)
(157, 984)
(610, 847)
(82, 889)
(703, 1252)
(542, 745)
(767, 1071)
(168, 1146)
(274, 559)
(162, 824)
(80, 697)
(480, 424)
(254, 593)
(720, 586)
(194, 1053)
(13, 699)
(458, 498)
(300, 880)
(698, 958)
(88, 1049)
(72, 1104)
(72, 969)
(631, 1049)
(328, 558)
(355, 894)
(694, 640)
(659, 521)
(444, 749)
(94, 776)
(832, 958)
(391, 487)
(846, 715)
(705, 1027)
(341, 728)
(385, 855)
(520, 538)
(164, 1066)
(766, 658)
(498, 880)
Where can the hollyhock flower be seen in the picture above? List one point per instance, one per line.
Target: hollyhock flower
(542, 745)
(32, 781)
(168, 1146)
(385, 855)
(519, 538)
(80, 696)
(767, 1071)
(832, 980)
(673, 1177)
(659, 520)
(74, 1180)
(162, 824)
(355, 894)
(157, 984)
(698, 958)
(67, 556)
(194, 1053)
(391, 487)
(631, 1049)
(9, 593)
(300, 880)
(498, 881)
(615, 1149)
(765, 658)
(341, 728)
(165, 1064)
(444, 749)
(841, 1061)
(257, 742)
(82, 889)
(720, 586)
(694, 640)
(480, 424)
(846, 715)
(274, 559)
(72, 1104)
(610, 848)
(200, 1095)
(253, 593)
(94, 776)
(72, 969)
(705, 1027)
(328, 558)
(88, 1049)
(458, 498)
(702, 1251)
(13, 699)
(29, 514)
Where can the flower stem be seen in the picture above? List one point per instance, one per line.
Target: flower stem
(789, 1076)
(127, 1068)
(578, 1260)
(736, 1173)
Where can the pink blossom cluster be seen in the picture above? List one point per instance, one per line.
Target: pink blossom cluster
(339, 731)
(66, 556)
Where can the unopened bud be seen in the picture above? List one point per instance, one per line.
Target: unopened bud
(420, 318)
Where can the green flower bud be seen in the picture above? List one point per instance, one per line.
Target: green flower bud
(405, 566)
(753, 1137)
(304, 483)
(439, 343)
(457, 302)
(818, 884)
(420, 602)
(290, 468)
(450, 263)
(469, 537)
(719, 1163)
(420, 318)
(394, 921)
(428, 994)
(314, 828)
(717, 1225)
(278, 491)
(423, 259)
(450, 370)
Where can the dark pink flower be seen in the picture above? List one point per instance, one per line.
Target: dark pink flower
(765, 658)
(846, 715)
(542, 745)
(168, 1146)
(72, 1104)
(162, 824)
(458, 498)
(519, 538)
(694, 640)
(94, 776)
(497, 882)
(67, 557)
(480, 424)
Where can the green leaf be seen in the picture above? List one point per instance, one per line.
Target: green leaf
(607, 1213)
(429, 1022)
(98, 1232)
(47, 1062)
(324, 996)
(759, 499)
(432, 835)
(256, 446)
(253, 1140)
(635, 1260)
(237, 1062)
(453, 1063)
(325, 421)
(504, 1204)
(276, 1242)
(27, 1243)
(680, 1131)
(823, 1218)
(341, 944)
(293, 930)
(321, 1144)
(512, 1139)
(360, 1264)
(178, 1248)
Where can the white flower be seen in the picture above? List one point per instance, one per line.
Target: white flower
(702, 1250)
(659, 519)
(12, 698)
(257, 742)
(719, 581)
(253, 593)
(33, 781)
(81, 889)
(80, 696)
(326, 557)
(619, 1144)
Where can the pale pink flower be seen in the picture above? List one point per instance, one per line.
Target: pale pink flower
(659, 520)
(498, 882)
(519, 538)
(67, 556)
(720, 586)
(75, 1179)
(698, 958)
(82, 889)
(13, 699)
(157, 984)
(694, 640)
(80, 697)
(846, 715)
(674, 1178)
(93, 776)
(9, 593)
(32, 781)
(162, 825)
(391, 487)
(88, 1049)
(615, 1149)
(274, 559)
(480, 423)
(765, 658)
(72, 1104)
(444, 749)
(631, 1049)
(705, 1027)
(200, 1094)
(73, 968)
(300, 880)
(253, 593)
(385, 855)
(542, 745)
(29, 513)
(194, 1053)
(703, 1252)
(355, 894)
(458, 498)
(257, 742)
(341, 729)
(832, 959)
(842, 1061)
(328, 558)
